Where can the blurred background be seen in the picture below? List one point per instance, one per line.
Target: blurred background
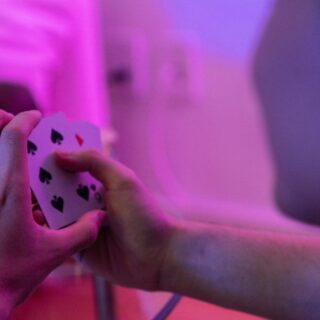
(170, 84)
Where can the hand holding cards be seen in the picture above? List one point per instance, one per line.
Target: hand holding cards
(28, 251)
(62, 196)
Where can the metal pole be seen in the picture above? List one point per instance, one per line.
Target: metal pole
(104, 299)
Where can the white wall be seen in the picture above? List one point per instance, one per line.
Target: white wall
(216, 148)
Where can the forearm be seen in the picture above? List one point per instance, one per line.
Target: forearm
(267, 274)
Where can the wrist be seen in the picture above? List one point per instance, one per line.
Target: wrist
(171, 264)
(188, 264)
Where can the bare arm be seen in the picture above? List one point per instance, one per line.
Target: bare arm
(271, 275)
(268, 274)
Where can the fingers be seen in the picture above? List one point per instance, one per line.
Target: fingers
(112, 174)
(5, 118)
(83, 233)
(13, 148)
(16, 132)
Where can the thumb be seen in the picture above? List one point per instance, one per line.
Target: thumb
(112, 174)
(84, 232)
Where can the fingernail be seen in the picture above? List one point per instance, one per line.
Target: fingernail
(35, 113)
(63, 154)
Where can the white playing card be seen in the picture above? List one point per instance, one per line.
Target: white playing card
(62, 196)
(86, 135)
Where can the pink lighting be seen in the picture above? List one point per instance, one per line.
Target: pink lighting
(54, 49)
(171, 85)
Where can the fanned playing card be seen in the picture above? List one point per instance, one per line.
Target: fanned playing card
(62, 196)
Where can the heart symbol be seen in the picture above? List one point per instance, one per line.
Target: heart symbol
(83, 192)
(56, 137)
(45, 176)
(32, 148)
(57, 203)
(79, 140)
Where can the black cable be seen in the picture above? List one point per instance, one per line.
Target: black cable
(168, 308)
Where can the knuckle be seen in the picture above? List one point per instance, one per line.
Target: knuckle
(131, 176)
(129, 181)
(17, 184)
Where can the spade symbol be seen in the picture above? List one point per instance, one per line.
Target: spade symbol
(57, 203)
(32, 148)
(45, 176)
(56, 137)
(83, 192)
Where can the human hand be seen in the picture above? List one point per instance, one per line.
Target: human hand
(130, 251)
(28, 251)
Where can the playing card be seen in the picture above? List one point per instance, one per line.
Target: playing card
(62, 196)
(86, 135)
